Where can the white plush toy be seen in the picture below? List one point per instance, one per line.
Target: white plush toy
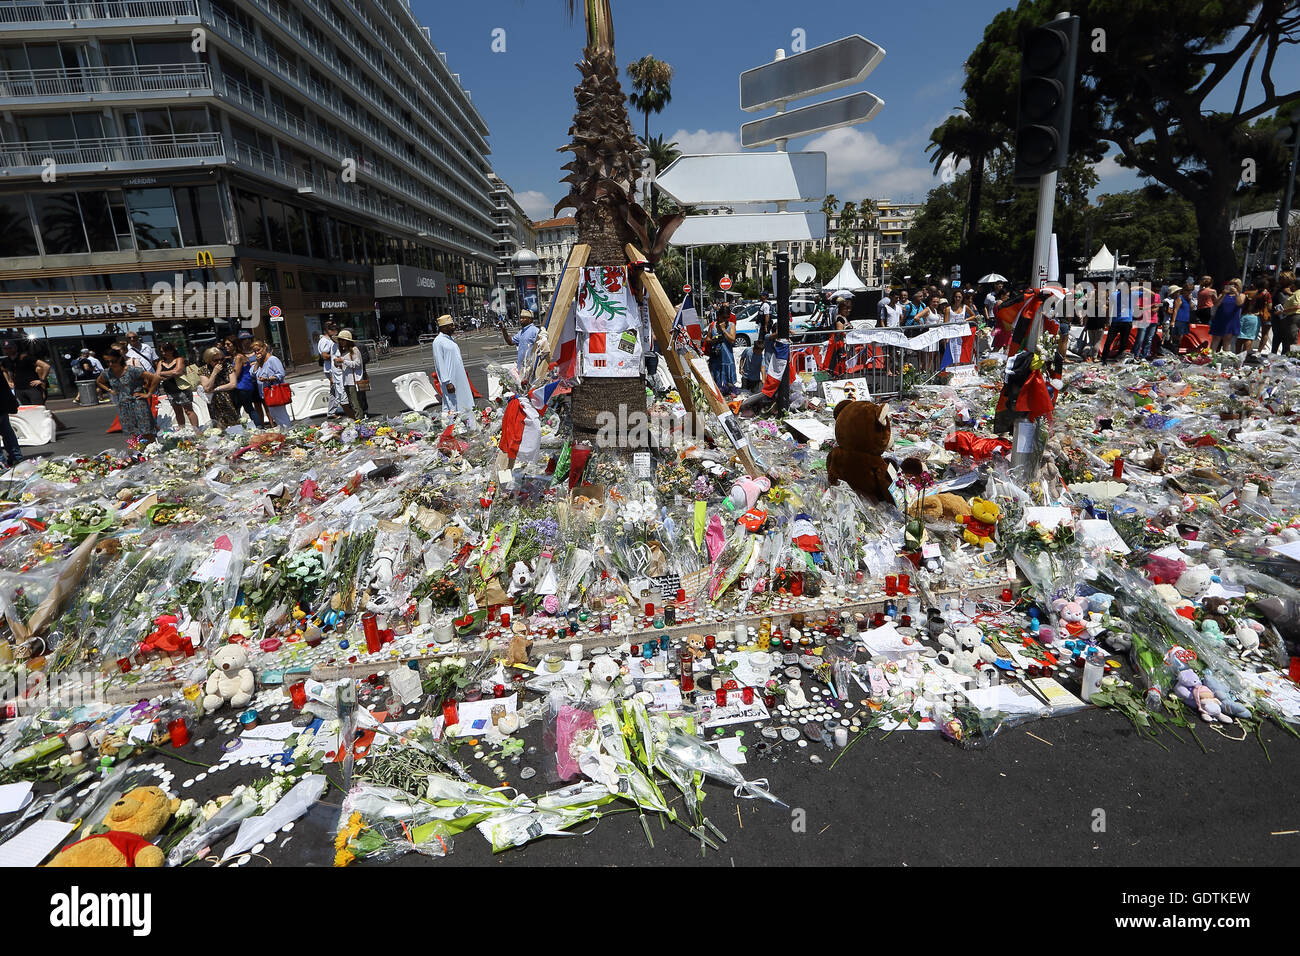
(967, 659)
(794, 695)
(605, 674)
(1194, 582)
(232, 682)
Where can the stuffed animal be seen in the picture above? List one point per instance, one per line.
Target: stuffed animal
(1246, 639)
(519, 647)
(1194, 582)
(132, 822)
(1196, 695)
(982, 522)
(1226, 699)
(232, 682)
(605, 674)
(944, 506)
(1071, 618)
(967, 659)
(862, 435)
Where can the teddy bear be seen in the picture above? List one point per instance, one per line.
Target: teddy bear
(139, 816)
(944, 506)
(1226, 700)
(982, 521)
(1070, 615)
(605, 674)
(519, 647)
(232, 682)
(862, 434)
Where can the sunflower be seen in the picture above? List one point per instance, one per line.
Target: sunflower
(343, 857)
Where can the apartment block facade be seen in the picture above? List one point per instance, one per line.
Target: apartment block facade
(323, 149)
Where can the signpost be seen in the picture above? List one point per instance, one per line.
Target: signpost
(832, 114)
(751, 227)
(831, 66)
(725, 283)
(745, 177)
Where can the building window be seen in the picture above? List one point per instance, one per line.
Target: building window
(154, 217)
(98, 218)
(251, 224)
(199, 211)
(17, 238)
(59, 217)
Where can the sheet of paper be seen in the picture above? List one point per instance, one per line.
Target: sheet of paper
(811, 429)
(729, 747)
(667, 695)
(15, 796)
(214, 567)
(1047, 518)
(254, 747)
(885, 641)
(277, 731)
(1290, 549)
(34, 844)
(1224, 591)
(736, 711)
(476, 716)
(1100, 533)
(751, 671)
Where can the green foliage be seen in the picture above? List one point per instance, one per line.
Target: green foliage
(1146, 74)
(826, 263)
(651, 87)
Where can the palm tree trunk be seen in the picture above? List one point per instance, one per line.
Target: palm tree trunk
(973, 211)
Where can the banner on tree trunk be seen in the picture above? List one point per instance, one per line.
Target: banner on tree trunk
(609, 318)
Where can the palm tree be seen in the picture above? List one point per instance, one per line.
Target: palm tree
(663, 154)
(960, 138)
(847, 231)
(652, 85)
(602, 178)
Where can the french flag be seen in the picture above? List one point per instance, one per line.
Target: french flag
(776, 364)
(687, 322)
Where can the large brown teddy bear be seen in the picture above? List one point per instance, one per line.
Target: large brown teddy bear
(862, 434)
(944, 506)
(133, 821)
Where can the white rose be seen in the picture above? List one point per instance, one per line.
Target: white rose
(186, 809)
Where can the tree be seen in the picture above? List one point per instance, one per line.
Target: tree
(652, 88)
(846, 234)
(825, 262)
(662, 154)
(1146, 71)
(829, 205)
(602, 178)
(1147, 224)
(961, 138)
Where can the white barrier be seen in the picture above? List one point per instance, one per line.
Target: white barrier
(310, 399)
(33, 425)
(416, 391)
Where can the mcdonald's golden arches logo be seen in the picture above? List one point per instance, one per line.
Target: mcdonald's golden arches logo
(204, 259)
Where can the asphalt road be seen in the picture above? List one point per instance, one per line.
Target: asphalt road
(85, 430)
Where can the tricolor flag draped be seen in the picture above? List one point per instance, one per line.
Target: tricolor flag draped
(776, 363)
(687, 322)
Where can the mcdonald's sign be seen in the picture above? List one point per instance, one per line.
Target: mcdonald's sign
(204, 259)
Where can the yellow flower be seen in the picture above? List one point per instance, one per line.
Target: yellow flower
(343, 857)
(354, 826)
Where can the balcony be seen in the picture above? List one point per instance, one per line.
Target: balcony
(121, 153)
(89, 84)
(16, 17)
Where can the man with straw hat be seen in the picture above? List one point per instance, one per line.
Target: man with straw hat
(457, 398)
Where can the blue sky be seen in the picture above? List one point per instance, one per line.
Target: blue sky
(525, 93)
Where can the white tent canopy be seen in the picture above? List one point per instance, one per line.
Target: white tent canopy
(1104, 262)
(845, 281)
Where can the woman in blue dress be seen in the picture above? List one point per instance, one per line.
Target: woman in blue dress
(132, 389)
(1225, 326)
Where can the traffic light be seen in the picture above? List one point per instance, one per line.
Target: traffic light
(1047, 64)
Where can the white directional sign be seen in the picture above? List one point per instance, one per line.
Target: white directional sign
(745, 178)
(831, 66)
(751, 227)
(842, 111)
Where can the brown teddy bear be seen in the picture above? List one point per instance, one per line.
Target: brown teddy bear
(132, 822)
(945, 506)
(862, 434)
(519, 647)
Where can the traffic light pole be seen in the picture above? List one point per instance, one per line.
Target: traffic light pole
(1025, 437)
(1284, 219)
(783, 321)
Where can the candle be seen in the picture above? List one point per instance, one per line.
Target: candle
(575, 652)
(426, 611)
(370, 626)
(179, 732)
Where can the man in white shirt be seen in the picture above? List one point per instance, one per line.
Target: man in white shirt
(89, 356)
(332, 365)
(143, 349)
(765, 315)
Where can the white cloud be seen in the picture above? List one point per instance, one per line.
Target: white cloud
(536, 204)
(706, 141)
(859, 165)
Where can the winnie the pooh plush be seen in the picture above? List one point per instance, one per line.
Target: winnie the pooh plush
(982, 521)
(862, 434)
(945, 506)
(132, 822)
